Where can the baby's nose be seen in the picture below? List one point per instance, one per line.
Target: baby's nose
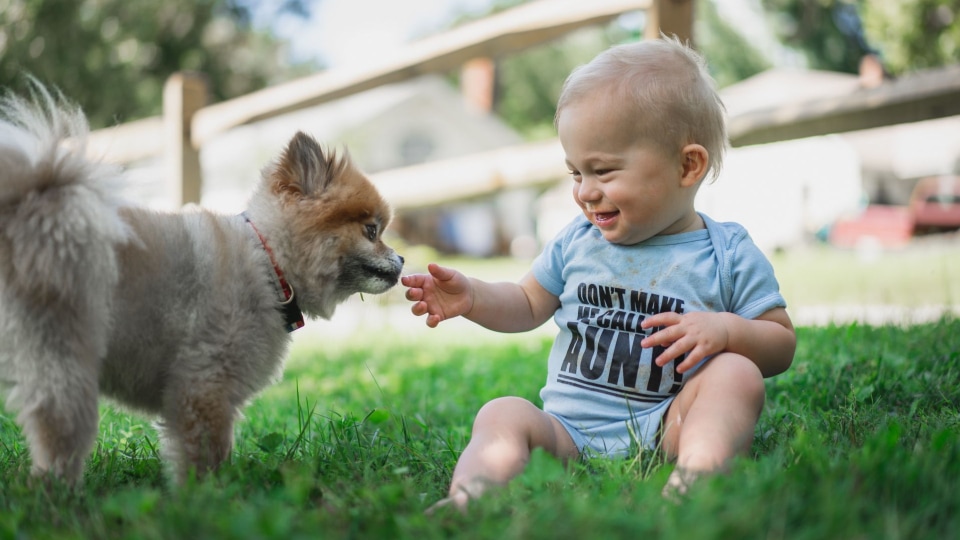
(587, 191)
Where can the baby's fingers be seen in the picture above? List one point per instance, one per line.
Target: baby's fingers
(419, 308)
(433, 320)
(662, 337)
(670, 353)
(412, 280)
(441, 273)
(689, 356)
(668, 318)
(414, 294)
(691, 359)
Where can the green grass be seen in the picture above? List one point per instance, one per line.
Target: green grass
(925, 273)
(860, 439)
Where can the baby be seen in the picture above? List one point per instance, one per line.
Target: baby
(668, 321)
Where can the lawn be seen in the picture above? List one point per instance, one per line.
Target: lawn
(860, 439)
(926, 273)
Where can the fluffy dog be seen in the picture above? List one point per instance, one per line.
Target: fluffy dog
(184, 316)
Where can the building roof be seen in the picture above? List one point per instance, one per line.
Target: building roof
(785, 86)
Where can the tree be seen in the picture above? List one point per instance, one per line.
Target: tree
(112, 57)
(914, 34)
(730, 57)
(529, 82)
(836, 34)
(827, 32)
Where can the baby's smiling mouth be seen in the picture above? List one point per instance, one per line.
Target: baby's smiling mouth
(602, 218)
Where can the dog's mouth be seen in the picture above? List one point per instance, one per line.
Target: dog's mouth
(390, 276)
(374, 275)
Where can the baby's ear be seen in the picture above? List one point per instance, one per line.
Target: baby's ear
(694, 162)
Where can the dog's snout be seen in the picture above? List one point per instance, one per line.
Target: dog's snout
(401, 259)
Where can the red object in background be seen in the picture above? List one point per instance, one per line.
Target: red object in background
(934, 207)
(935, 203)
(889, 226)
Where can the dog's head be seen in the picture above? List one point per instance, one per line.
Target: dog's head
(325, 220)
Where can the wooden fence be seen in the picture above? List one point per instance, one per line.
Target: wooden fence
(188, 122)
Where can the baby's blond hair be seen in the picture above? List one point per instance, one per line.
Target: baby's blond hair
(665, 85)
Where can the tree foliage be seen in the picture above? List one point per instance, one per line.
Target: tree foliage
(914, 34)
(827, 32)
(113, 56)
(529, 82)
(730, 56)
(836, 34)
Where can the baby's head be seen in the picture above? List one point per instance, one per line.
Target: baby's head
(665, 90)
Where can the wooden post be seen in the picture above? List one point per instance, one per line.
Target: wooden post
(478, 83)
(183, 95)
(670, 17)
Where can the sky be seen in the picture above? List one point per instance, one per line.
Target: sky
(344, 32)
(341, 32)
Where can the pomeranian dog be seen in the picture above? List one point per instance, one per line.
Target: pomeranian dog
(183, 316)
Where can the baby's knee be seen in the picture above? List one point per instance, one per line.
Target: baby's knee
(737, 372)
(744, 376)
(501, 408)
(510, 417)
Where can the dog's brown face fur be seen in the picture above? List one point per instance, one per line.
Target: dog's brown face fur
(333, 222)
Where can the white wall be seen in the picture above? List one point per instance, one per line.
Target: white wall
(785, 192)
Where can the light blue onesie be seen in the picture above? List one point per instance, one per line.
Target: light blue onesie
(601, 385)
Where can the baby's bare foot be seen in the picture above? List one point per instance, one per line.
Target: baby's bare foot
(679, 483)
(460, 496)
(458, 501)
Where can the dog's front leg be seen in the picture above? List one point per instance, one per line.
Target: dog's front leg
(197, 430)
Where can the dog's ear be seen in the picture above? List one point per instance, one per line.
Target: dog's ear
(304, 169)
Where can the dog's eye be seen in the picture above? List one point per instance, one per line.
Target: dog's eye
(371, 232)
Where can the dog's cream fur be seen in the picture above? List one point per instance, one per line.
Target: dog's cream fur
(172, 314)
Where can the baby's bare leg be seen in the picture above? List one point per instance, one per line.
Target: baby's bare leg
(713, 418)
(504, 433)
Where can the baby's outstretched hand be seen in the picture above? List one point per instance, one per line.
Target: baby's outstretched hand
(442, 294)
(697, 334)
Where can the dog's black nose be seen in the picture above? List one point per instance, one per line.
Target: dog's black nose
(401, 258)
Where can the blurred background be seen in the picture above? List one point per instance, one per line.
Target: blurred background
(844, 119)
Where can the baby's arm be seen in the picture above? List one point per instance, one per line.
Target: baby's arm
(769, 340)
(445, 293)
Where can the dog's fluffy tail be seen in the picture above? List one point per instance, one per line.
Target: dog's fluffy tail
(59, 229)
(59, 219)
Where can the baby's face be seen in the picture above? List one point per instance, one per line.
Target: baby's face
(631, 190)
